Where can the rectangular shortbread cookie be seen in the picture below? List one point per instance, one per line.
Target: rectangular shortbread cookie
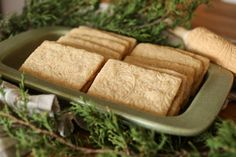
(62, 65)
(137, 87)
(164, 53)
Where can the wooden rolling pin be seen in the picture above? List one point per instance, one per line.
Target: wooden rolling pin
(209, 44)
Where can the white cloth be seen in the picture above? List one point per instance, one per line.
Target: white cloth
(36, 103)
(10, 95)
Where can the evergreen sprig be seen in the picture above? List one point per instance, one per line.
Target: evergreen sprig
(110, 135)
(224, 143)
(38, 132)
(145, 20)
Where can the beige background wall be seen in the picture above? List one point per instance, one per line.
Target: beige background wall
(10, 6)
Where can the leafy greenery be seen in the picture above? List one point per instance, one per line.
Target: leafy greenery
(109, 135)
(224, 143)
(146, 20)
(106, 130)
(38, 131)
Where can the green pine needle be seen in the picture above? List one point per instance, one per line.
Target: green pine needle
(225, 140)
(144, 20)
(106, 130)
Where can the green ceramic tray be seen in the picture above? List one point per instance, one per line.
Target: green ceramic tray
(196, 118)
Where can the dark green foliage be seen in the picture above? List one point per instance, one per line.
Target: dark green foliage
(110, 136)
(108, 131)
(143, 19)
(224, 143)
(103, 128)
(41, 13)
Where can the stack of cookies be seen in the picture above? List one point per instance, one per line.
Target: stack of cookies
(146, 77)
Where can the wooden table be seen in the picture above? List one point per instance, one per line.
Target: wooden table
(219, 17)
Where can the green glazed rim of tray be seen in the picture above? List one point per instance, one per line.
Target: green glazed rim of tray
(202, 111)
